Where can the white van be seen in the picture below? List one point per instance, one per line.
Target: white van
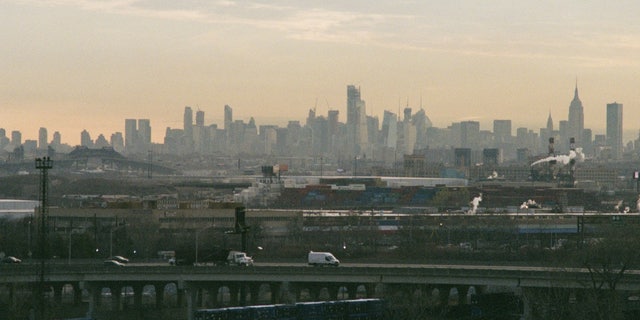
(322, 259)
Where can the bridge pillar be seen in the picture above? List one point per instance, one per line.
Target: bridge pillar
(190, 292)
(294, 292)
(234, 290)
(333, 292)
(314, 291)
(197, 301)
(158, 295)
(352, 290)
(284, 296)
(77, 293)
(377, 290)
(273, 292)
(137, 296)
(12, 295)
(243, 292)
(180, 293)
(254, 293)
(213, 290)
(94, 299)
(57, 293)
(116, 298)
(526, 303)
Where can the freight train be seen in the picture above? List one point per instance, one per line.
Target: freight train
(358, 309)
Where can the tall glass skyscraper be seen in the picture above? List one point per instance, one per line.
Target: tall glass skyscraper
(614, 129)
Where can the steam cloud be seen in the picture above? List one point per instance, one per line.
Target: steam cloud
(576, 155)
(529, 204)
(474, 204)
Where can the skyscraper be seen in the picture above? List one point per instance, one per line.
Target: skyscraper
(16, 138)
(144, 135)
(356, 121)
(85, 139)
(187, 120)
(57, 139)
(188, 141)
(501, 132)
(389, 129)
(614, 129)
(43, 139)
(200, 118)
(353, 98)
(130, 135)
(470, 135)
(228, 117)
(576, 118)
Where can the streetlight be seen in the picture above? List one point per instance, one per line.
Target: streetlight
(355, 166)
(197, 234)
(29, 253)
(111, 238)
(448, 232)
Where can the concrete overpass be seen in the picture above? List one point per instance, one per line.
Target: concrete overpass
(287, 281)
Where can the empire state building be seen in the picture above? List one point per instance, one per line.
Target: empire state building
(576, 118)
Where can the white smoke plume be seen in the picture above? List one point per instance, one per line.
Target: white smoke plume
(618, 206)
(529, 204)
(474, 204)
(577, 155)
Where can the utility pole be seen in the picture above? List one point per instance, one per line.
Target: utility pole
(241, 228)
(42, 164)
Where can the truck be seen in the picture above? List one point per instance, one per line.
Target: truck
(239, 258)
(322, 259)
(215, 256)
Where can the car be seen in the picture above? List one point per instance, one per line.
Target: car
(11, 260)
(115, 263)
(120, 259)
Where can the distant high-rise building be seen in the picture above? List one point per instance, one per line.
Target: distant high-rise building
(130, 135)
(187, 120)
(85, 139)
(117, 142)
(4, 140)
(407, 114)
(421, 122)
(502, 131)
(228, 126)
(614, 129)
(200, 118)
(57, 139)
(332, 117)
(353, 98)
(16, 138)
(43, 139)
(576, 118)
(356, 121)
(188, 141)
(469, 134)
(101, 142)
(144, 135)
(228, 117)
(389, 130)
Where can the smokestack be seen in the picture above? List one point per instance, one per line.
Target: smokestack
(572, 143)
(552, 151)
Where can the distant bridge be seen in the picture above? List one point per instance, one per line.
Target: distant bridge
(245, 284)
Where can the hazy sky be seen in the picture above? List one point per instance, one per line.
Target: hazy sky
(70, 65)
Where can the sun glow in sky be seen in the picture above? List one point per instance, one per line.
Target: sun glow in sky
(70, 65)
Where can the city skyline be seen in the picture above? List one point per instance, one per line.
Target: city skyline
(81, 65)
(627, 134)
